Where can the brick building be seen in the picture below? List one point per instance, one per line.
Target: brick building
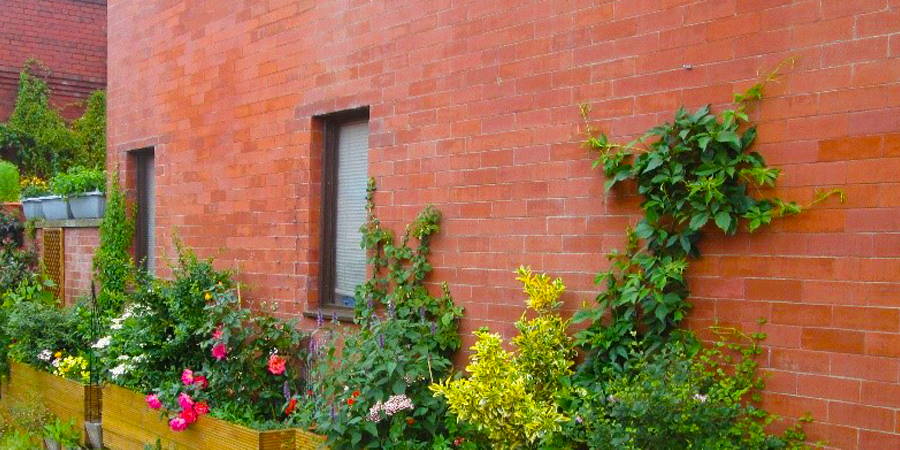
(220, 114)
(68, 36)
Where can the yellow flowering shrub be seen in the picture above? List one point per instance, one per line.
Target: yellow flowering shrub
(74, 367)
(512, 397)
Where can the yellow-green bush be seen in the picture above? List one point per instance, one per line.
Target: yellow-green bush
(512, 397)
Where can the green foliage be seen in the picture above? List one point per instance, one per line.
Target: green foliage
(23, 419)
(65, 433)
(170, 326)
(9, 182)
(78, 180)
(44, 333)
(682, 396)
(89, 132)
(694, 171)
(513, 398)
(45, 144)
(10, 233)
(113, 265)
(405, 340)
(38, 138)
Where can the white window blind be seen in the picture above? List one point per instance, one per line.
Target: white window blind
(352, 178)
(150, 206)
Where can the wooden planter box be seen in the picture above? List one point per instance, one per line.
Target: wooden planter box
(129, 424)
(67, 399)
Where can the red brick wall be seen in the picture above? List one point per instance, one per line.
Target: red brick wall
(474, 108)
(80, 245)
(68, 36)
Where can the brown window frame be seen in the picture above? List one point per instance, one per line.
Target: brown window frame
(331, 125)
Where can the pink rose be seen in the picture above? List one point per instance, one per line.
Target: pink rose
(217, 333)
(185, 401)
(153, 401)
(201, 381)
(178, 424)
(219, 351)
(276, 365)
(189, 415)
(187, 377)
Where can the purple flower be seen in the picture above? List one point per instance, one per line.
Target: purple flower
(433, 328)
(333, 317)
(422, 312)
(320, 321)
(380, 340)
(286, 390)
(333, 413)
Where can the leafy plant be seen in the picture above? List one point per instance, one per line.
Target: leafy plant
(373, 393)
(45, 144)
(65, 433)
(89, 132)
(10, 233)
(513, 398)
(113, 266)
(682, 396)
(693, 171)
(78, 180)
(9, 182)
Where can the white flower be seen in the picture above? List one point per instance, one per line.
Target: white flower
(700, 397)
(120, 370)
(55, 363)
(102, 342)
(45, 355)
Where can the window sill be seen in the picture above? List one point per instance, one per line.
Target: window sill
(342, 313)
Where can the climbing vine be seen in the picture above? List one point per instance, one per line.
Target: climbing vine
(113, 265)
(694, 171)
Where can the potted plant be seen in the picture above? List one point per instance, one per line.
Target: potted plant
(33, 191)
(83, 190)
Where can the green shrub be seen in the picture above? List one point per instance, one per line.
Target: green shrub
(373, 392)
(90, 132)
(9, 182)
(513, 398)
(45, 143)
(78, 180)
(682, 396)
(172, 326)
(44, 333)
(65, 433)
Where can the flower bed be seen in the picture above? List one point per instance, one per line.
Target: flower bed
(129, 424)
(67, 399)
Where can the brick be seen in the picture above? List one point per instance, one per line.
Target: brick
(841, 341)
(878, 319)
(863, 416)
(827, 387)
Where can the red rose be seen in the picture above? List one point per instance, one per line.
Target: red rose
(351, 401)
(202, 381)
(189, 415)
(356, 393)
(201, 408)
(276, 365)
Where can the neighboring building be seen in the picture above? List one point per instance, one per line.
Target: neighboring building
(227, 116)
(67, 36)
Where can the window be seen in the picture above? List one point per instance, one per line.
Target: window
(344, 181)
(145, 235)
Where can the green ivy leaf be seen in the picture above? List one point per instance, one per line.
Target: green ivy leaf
(723, 220)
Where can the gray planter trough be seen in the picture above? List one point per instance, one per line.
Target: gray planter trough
(55, 208)
(32, 208)
(90, 205)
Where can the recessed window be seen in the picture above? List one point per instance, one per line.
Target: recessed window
(344, 181)
(145, 229)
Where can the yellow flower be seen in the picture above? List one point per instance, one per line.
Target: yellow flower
(57, 355)
(208, 296)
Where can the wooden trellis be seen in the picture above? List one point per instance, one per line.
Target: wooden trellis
(55, 259)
